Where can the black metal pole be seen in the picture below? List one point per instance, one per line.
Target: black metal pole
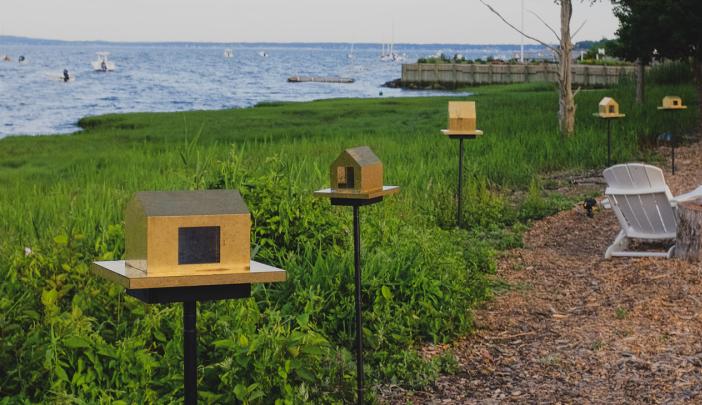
(672, 145)
(459, 210)
(190, 352)
(609, 142)
(359, 319)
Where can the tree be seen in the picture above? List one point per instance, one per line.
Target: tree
(663, 29)
(638, 35)
(564, 54)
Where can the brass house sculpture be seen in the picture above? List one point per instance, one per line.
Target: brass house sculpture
(187, 238)
(672, 103)
(609, 108)
(357, 174)
(462, 119)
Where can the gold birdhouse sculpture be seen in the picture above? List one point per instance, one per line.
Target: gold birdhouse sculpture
(187, 238)
(462, 119)
(609, 108)
(672, 103)
(357, 174)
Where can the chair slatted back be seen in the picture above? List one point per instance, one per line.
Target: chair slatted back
(641, 200)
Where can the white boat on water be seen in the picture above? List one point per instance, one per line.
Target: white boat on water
(228, 53)
(263, 54)
(388, 54)
(102, 64)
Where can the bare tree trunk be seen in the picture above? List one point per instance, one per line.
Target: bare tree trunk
(566, 111)
(640, 81)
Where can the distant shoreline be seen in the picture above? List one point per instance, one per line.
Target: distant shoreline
(11, 40)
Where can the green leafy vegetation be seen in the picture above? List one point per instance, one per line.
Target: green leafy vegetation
(67, 336)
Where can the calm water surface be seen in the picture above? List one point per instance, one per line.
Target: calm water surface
(177, 77)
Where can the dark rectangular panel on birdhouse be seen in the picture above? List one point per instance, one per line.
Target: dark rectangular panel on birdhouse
(197, 245)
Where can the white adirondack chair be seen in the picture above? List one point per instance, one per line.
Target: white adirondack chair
(644, 207)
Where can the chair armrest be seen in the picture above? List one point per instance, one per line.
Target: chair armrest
(692, 195)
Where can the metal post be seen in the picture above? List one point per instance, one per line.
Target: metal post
(359, 320)
(672, 152)
(190, 352)
(459, 210)
(609, 142)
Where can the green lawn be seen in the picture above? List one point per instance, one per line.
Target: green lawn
(67, 336)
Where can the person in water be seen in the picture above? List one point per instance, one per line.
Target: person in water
(66, 77)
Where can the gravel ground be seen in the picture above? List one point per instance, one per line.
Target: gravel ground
(572, 327)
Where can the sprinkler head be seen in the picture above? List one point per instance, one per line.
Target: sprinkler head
(589, 204)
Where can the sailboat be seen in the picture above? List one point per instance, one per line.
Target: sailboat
(228, 53)
(388, 53)
(350, 55)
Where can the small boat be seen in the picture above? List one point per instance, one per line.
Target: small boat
(102, 64)
(350, 55)
(228, 53)
(6, 58)
(263, 54)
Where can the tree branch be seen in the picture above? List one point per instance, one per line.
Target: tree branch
(554, 49)
(578, 30)
(547, 26)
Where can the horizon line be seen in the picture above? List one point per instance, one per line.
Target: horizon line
(266, 42)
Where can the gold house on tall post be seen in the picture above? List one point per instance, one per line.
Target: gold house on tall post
(357, 174)
(672, 103)
(609, 108)
(462, 119)
(187, 238)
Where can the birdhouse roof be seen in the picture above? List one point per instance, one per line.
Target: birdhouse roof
(461, 109)
(362, 155)
(608, 101)
(187, 203)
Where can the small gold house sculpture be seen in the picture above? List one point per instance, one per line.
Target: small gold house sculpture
(462, 119)
(357, 174)
(672, 103)
(187, 238)
(187, 232)
(609, 108)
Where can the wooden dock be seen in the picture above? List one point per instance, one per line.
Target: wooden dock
(320, 79)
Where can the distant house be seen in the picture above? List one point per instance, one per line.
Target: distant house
(187, 232)
(672, 103)
(357, 170)
(609, 108)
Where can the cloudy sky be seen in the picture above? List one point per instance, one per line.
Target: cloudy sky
(414, 21)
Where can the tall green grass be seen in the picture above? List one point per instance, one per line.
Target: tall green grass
(67, 336)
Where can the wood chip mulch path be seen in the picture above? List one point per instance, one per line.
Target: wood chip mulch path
(573, 327)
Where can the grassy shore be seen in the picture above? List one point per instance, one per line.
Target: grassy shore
(66, 335)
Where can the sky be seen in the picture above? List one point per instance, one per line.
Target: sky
(407, 21)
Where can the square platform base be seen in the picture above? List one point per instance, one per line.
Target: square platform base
(609, 116)
(462, 134)
(134, 279)
(335, 194)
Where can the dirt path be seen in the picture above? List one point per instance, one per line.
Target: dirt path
(575, 328)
